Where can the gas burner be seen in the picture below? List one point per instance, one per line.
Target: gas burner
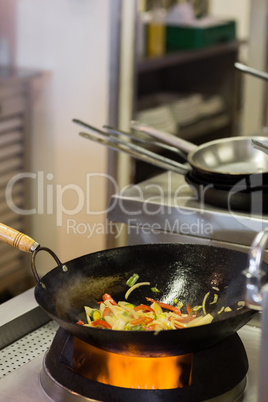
(73, 371)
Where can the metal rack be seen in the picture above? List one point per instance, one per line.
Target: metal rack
(14, 148)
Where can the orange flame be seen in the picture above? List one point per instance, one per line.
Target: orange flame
(131, 372)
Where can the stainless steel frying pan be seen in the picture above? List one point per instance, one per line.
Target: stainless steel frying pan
(227, 160)
(233, 196)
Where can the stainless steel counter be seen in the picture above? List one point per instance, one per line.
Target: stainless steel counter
(20, 316)
(166, 204)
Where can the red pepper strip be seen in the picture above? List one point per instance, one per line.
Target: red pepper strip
(148, 320)
(106, 311)
(144, 308)
(101, 323)
(140, 320)
(188, 309)
(166, 306)
(106, 296)
(80, 322)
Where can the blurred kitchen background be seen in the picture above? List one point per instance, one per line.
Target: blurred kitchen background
(108, 62)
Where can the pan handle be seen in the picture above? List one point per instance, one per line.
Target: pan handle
(260, 146)
(251, 71)
(163, 164)
(25, 243)
(254, 272)
(171, 139)
(148, 142)
(33, 265)
(115, 136)
(17, 239)
(115, 142)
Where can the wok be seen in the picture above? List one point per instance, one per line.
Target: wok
(183, 271)
(248, 195)
(226, 160)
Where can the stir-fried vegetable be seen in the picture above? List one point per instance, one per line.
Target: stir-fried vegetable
(137, 285)
(132, 280)
(154, 317)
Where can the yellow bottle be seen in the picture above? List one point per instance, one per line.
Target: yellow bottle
(156, 34)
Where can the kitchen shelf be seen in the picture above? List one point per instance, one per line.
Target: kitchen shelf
(207, 72)
(176, 58)
(205, 126)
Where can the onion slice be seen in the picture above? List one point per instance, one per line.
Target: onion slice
(137, 285)
(204, 303)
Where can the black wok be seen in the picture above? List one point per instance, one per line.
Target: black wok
(226, 160)
(183, 271)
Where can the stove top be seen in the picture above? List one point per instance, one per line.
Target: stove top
(72, 367)
(25, 358)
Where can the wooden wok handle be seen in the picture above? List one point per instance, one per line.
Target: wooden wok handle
(17, 239)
